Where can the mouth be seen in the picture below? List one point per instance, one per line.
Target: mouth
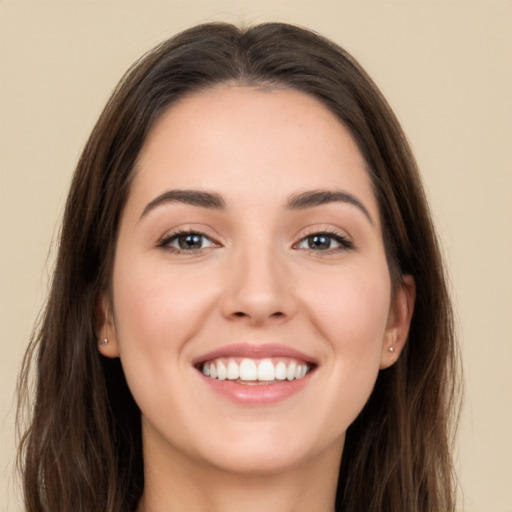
(255, 374)
(250, 371)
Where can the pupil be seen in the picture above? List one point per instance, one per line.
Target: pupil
(319, 242)
(190, 242)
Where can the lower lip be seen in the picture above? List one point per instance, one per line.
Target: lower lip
(259, 394)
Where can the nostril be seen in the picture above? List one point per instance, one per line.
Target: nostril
(241, 314)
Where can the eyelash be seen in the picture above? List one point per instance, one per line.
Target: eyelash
(344, 243)
(164, 243)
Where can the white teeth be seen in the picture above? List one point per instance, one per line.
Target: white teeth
(290, 372)
(266, 370)
(249, 370)
(221, 371)
(233, 370)
(280, 371)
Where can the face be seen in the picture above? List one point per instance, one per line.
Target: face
(251, 302)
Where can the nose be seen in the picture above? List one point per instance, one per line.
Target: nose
(259, 289)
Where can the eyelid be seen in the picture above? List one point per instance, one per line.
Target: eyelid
(344, 241)
(165, 240)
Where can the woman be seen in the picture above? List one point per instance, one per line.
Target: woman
(249, 308)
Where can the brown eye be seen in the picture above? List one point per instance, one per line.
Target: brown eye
(187, 241)
(324, 242)
(319, 242)
(190, 241)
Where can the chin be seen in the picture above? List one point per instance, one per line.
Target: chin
(267, 450)
(257, 461)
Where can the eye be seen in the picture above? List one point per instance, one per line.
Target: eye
(332, 242)
(186, 241)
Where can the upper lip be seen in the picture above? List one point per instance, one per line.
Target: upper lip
(255, 351)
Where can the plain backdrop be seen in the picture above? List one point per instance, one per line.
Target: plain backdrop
(446, 69)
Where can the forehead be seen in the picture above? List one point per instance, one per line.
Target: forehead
(276, 117)
(276, 141)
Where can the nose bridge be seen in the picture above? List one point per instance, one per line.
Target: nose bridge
(257, 286)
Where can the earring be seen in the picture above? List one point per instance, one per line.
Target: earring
(104, 342)
(391, 349)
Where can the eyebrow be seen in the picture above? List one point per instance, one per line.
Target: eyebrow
(212, 200)
(320, 197)
(193, 197)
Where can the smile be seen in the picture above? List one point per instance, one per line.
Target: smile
(255, 371)
(254, 374)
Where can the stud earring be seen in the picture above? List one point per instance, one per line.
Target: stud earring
(104, 342)
(391, 349)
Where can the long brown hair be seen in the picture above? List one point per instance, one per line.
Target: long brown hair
(82, 450)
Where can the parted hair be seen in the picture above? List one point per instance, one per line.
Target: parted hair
(80, 434)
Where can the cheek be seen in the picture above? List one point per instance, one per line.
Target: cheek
(348, 310)
(157, 312)
(351, 312)
(152, 302)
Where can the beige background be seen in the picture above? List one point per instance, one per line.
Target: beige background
(446, 68)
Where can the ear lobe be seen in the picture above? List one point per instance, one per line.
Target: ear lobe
(399, 321)
(105, 328)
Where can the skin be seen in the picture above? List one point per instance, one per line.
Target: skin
(257, 280)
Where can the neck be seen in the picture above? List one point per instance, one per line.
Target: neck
(183, 484)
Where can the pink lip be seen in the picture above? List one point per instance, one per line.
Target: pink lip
(261, 394)
(255, 352)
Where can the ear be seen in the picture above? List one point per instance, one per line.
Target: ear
(105, 328)
(399, 321)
